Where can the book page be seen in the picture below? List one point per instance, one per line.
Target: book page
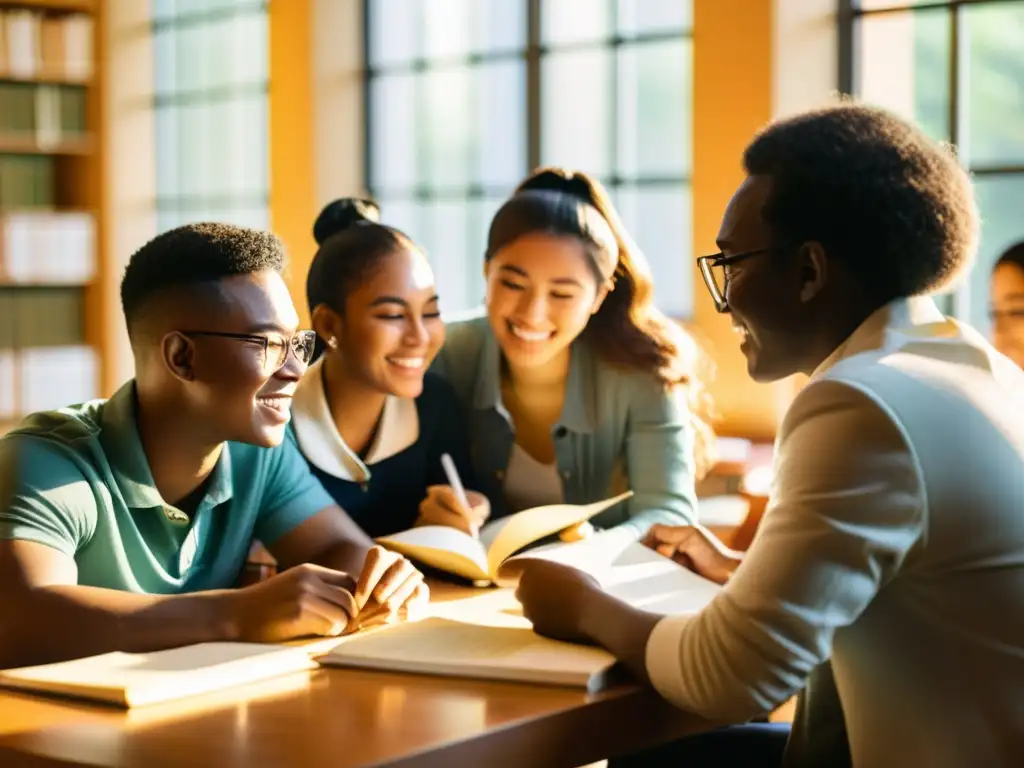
(524, 528)
(443, 547)
(626, 569)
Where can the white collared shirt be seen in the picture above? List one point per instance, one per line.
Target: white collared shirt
(324, 447)
(893, 545)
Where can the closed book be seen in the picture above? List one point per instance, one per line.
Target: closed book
(137, 679)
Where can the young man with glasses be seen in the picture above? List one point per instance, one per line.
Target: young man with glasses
(124, 523)
(893, 544)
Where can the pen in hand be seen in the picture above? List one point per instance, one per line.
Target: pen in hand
(456, 483)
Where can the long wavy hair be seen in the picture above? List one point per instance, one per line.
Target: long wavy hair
(627, 330)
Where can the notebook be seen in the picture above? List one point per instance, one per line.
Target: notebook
(136, 679)
(489, 638)
(478, 559)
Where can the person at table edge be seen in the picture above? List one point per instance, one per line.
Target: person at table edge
(124, 523)
(893, 546)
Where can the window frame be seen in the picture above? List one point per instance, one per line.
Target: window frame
(206, 205)
(532, 52)
(849, 15)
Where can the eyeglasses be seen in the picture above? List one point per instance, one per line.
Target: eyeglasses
(714, 270)
(275, 351)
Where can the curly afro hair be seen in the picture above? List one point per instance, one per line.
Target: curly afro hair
(876, 192)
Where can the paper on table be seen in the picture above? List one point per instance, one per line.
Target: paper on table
(134, 679)
(628, 570)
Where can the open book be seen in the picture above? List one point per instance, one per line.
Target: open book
(449, 549)
(487, 637)
(135, 679)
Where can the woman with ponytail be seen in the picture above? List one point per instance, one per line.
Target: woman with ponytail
(576, 386)
(367, 416)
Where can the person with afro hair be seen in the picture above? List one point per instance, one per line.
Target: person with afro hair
(893, 542)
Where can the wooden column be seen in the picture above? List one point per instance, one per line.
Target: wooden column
(292, 178)
(732, 98)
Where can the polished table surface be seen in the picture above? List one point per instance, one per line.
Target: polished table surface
(342, 717)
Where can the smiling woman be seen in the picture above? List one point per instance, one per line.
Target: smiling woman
(577, 386)
(370, 420)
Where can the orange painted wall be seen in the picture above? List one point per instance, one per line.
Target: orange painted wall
(292, 182)
(732, 99)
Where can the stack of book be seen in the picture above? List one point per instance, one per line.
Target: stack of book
(37, 46)
(47, 229)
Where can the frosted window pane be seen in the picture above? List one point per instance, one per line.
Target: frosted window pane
(448, 27)
(654, 109)
(500, 25)
(445, 124)
(500, 143)
(995, 101)
(576, 104)
(394, 27)
(166, 61)
(254, 140)
(659, 220)
(167, 152)
(903, 65)
(639, 17)
(574, 21)
(448, 226)
(393, 117)
(404, 215)
(192, 57)
(193, 150)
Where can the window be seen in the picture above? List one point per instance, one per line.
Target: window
(958, 69)
(464, 97)
(210, 103)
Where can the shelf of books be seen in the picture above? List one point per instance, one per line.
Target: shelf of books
(49, 201)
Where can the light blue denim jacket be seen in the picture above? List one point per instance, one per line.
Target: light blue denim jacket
(618, 429)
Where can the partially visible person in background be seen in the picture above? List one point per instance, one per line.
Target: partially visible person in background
(368, 417)
(576, 386)
(1006, 308)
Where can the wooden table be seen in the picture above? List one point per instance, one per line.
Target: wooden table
(337, 717)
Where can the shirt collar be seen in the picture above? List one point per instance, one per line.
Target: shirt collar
(890, 325)
(579, 411)
(122, 445)
(322, 444)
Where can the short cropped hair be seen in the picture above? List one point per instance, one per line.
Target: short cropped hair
(875, 191)
(194, 255)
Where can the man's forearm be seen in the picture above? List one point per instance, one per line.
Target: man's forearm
(620, 629)
(50, 624)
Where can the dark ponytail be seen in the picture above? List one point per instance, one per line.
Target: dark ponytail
(352, 242)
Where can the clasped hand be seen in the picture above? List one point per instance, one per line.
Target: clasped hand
(310, 600)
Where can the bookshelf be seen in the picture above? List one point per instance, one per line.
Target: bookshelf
(51, 333)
